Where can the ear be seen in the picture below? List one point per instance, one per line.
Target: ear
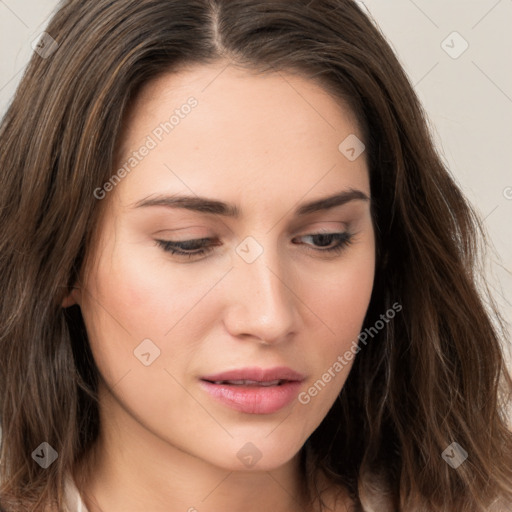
(73, 297)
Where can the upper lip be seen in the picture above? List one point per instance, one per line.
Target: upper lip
(257, 374)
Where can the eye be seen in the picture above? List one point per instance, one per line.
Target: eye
(342, 240)
(201, 246)
(188, 248)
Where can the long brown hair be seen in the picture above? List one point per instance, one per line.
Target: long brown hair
(434, 376)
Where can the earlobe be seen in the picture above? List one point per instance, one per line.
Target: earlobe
(72, 298)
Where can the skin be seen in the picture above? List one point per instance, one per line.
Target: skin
(265, 143)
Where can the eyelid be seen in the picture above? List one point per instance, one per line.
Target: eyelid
(309, 229)
(342, 239)
(177, 230)
(340, 226)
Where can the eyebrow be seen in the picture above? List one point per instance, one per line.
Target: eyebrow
(214, 207)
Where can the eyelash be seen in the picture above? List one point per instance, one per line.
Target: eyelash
(180, 248)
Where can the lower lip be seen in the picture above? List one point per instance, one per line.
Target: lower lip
(254, 399)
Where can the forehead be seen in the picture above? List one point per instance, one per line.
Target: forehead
(267, 132)
(224, 86)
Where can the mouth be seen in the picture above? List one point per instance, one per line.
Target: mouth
(249, 383)
(256, 375)
(254, 390)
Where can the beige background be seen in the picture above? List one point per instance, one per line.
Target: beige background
(468, 96)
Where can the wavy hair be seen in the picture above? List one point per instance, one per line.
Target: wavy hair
(434, 376)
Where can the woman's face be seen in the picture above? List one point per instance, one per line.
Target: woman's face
(267, 299)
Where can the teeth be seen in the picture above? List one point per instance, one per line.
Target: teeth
(248, 382)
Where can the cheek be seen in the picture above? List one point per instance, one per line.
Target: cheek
(342, 300)
(352, 298)
(118, 309)
(140, 293)
(342, 295)
(133, 296)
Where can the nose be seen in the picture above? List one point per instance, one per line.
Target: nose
(260, 300)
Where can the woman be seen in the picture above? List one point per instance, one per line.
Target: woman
(236, 273)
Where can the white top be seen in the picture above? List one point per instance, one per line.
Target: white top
(73, 501)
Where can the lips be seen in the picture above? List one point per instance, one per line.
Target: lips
(249, 382)
(254, 390)
(256, 376)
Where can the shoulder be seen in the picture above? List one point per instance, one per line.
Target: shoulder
(73, 500)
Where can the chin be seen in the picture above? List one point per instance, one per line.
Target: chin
(263, 451)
